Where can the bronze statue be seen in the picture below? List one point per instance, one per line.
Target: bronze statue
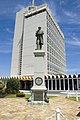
(39, 40)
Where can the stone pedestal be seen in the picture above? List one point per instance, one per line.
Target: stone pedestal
(39, 91)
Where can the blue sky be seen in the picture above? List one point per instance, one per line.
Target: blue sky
(66, 13)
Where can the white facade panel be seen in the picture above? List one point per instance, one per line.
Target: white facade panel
(16, 44)
(29, 41)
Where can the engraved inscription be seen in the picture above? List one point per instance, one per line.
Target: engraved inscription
(38, 96)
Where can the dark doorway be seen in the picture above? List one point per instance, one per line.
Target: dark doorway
(49, 84)
(79, 84)
(57, 84)
(70, 84)
(22, 85)
(66, 84)
(53, 84)
(75, 84)
(62, 84)
(26, 85)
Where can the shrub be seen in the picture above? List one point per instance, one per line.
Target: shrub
(20, 94)
(12, 86)
(2, 89)
(1, 85)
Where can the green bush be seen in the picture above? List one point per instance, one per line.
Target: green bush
(12, 86)
(1, 85)
(2, 88)
(20, 94)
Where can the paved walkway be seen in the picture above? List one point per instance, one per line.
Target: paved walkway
(19, 109)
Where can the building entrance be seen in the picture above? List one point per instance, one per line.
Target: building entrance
(25, 85)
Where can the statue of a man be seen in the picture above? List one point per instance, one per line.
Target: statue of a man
(39, 40)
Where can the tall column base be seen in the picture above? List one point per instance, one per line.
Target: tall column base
(39, 90)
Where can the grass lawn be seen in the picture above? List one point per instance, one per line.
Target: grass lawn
(26, 96)
(51, 97)
(14, 96)
(11, 96)
(73, 98)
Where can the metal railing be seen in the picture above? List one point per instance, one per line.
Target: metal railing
(58, 115)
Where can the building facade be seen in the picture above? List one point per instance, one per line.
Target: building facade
(52, 83)
(24, 43)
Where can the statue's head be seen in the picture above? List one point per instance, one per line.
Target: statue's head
(39, 28)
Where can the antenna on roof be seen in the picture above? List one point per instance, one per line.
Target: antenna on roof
(32, 2)
(32, 6)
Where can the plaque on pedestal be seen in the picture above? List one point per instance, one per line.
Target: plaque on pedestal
(38, 96)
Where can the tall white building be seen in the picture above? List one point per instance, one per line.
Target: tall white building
(27, 22)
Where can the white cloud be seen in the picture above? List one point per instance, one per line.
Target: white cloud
(75, 20)
(73, 70)
(72, 17)
(3, 12)
(78, 6)
(5, 51)
(70, 14)
(73, 41)
(76, 3)
(18, 7)
(62, 2)
(76, 43)
(6, 47)
(10, 12)
(74, 53)
(52, 6)
(8, 30)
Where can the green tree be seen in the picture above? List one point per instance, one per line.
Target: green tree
(12, 85)
(2, 88)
